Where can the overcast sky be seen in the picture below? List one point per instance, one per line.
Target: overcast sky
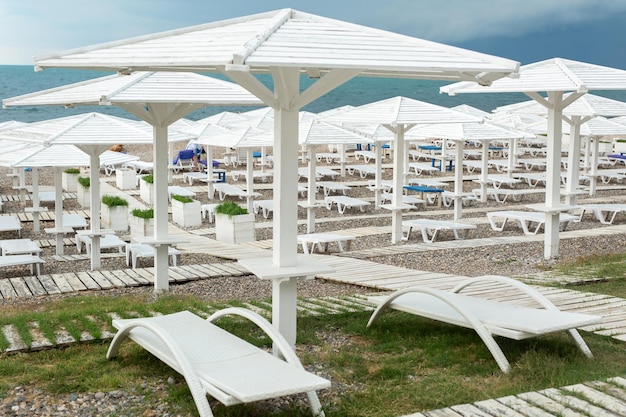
(524, 30)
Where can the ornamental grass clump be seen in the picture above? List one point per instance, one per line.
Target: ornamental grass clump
(84, 181)
(230, 208)
(143, 213)
(148, 178)
(113, 201)
(182, 198)
(72, 171)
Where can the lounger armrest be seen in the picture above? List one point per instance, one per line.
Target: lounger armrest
(280, 343)
(534, 294)
(278, 340)
(195, 386)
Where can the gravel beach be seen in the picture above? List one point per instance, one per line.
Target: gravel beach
(510, 259)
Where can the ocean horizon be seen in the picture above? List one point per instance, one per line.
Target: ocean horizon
(17, 80)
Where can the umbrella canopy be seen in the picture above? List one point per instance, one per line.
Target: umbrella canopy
(161, 99)
(398, 115)
(287, 43)
(589, 105)
(476, 132)
(554, 77)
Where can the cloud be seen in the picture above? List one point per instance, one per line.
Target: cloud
(461, 20)
(35, 27)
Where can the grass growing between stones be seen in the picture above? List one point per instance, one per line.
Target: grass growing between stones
(401, 365)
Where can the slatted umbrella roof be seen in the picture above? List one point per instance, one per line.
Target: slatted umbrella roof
(556, 74)
(398, 111)
(588, 105)
(84, 129)
(142, 87)
(282, 38)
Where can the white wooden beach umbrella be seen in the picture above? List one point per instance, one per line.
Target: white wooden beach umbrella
(160, 99)
(209, 134)
(484, 132)
(36, 156)
(554, 77)
(398, 115)
(93, 133)
(578, 116)
(286, 44)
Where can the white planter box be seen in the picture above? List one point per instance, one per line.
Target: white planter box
(114, 218)
(82, 196)
(146, 191)
(186, 214)
(125, 179)
(140, 226)
(234, 229)
(69, 182)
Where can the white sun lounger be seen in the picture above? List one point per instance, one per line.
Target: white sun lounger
(488, 318)
(140, 167)
(344, 202)
(430, 228)
(331, 186)
(320, 172)
(322, 240)
(364, 170)
(263, 206)
(502, 194)
(216, 362)
(208, 210)
(525, 219)
(605, 213)
(366, 155)
(225, 189)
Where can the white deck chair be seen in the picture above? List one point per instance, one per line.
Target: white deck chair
(430, 228)
(487, 317)
(525, 220)
(605, 213)
(216, 362)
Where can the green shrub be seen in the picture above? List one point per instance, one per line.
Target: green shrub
(72, 171)
(84, 181)
(143, 213)
(113, 201)
(148, 178)
(230, 208)
(182, 198)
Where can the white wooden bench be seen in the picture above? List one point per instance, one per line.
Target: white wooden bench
(208, 210)
(10, 223)
(344, 202)
(525, 219)
(605, 213)
(430, 228)
(218, 363)
(321, 240)
(488, 317)
(107, 241)
(16, 260)
(143, 250)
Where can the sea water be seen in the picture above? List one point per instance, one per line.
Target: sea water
(22, 79)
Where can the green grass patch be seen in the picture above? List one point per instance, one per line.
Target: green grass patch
(401, 365)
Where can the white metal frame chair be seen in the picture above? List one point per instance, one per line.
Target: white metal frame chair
(216, 362)
(488, 317)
